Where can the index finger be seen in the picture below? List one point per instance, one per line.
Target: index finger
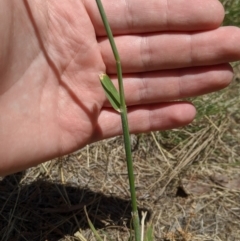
(140, 16)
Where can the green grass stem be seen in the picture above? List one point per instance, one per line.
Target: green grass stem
(123, 113)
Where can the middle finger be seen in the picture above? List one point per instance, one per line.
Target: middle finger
(141, 53)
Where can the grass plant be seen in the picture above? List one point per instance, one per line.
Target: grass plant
(231, 12)
(118, 102)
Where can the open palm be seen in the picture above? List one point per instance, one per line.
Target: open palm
(52, 52)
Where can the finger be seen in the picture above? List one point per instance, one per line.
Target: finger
(145, 119)
(173, 50)
(138, 16)
(169, 85)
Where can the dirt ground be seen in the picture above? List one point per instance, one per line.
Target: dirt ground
(187, 180)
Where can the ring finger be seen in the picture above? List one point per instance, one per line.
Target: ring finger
(170, 85)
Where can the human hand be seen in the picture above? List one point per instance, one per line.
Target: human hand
(51, 53)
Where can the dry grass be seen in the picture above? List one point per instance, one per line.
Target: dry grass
(188, 180)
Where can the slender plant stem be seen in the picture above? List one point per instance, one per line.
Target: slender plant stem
(123, 112)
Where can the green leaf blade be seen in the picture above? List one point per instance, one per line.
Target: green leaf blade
(149, 233)
(91, 226)
(110, 91)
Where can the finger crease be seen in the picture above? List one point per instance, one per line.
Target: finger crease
(145, 53)
(128, 15)
(167, 12)
(190, 49)
(143, 93)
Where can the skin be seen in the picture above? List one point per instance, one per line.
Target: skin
(51, 53)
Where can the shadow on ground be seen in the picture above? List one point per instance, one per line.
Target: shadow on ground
(49, 211)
